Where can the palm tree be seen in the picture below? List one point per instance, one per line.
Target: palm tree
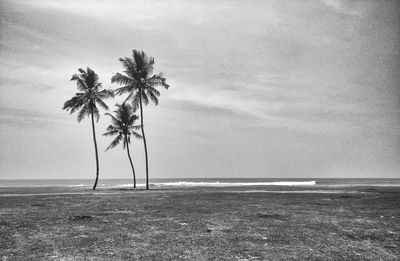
(140, 83)
(123, 126)
(85, 102)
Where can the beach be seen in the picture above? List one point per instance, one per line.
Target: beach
(201, 223)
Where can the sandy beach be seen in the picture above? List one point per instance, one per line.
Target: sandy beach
(262, 223)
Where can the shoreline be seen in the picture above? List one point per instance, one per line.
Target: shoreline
(54, 190)
(226, 191)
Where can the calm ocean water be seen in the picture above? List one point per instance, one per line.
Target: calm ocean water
(212, 182)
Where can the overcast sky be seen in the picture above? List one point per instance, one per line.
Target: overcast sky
(258, 88)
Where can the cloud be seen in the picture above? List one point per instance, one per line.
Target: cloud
(269, 57)
(193, 107)
(11, 117)
(351, 8)
(283, 70)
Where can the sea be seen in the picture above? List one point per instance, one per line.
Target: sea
(201, 182)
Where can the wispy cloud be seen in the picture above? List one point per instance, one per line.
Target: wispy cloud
(351, 8)
(321, 69)
(12, 117)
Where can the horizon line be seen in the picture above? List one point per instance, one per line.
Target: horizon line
(201, 178)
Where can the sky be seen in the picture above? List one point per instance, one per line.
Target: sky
(259, 89)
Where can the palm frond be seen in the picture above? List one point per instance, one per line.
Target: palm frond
(80, 83)
(132, 118)
(111, 131)
(136, 127)
(97, 86)
(131, 69)
(123, 89)
(137, 135)
(122, 79)
(115, 142)
(153, 90)
(102, 103)
(83, 112)
(135, 101)
(152, 97)
(114, 120)
(107, 93)
(74, 103)
(83, 72)
(130, 96)
(145, 99)
(157, 80)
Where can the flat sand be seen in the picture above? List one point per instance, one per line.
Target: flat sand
(257, 223)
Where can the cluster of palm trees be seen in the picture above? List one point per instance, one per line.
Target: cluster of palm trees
(137, 81)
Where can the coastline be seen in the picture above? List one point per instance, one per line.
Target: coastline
(127, 188)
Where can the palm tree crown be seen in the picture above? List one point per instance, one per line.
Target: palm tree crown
(122, 125)
(90, 95)
(139, 79)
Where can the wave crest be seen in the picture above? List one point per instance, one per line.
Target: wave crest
(235, 184)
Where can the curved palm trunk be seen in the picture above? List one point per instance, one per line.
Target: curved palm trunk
(130, 160)
(144, 141)
(97, 156)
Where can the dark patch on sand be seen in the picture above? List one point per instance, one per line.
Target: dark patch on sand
(273, 216)
(81, 217)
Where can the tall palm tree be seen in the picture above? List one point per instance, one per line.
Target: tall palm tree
(140, 83)
(85, 102)
(123, 126)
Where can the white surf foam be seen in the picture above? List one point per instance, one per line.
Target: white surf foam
(235, 184)
(129, 185)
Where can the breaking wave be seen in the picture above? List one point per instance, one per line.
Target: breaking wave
(235, 184)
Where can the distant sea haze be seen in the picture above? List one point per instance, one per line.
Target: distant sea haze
(199, 182)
